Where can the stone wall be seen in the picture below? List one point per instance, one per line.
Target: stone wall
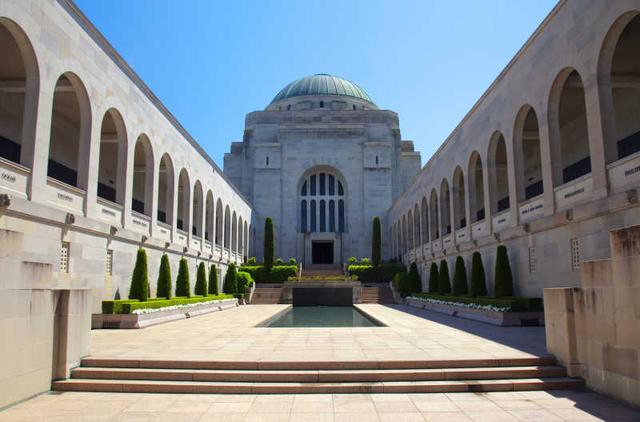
(595, 329)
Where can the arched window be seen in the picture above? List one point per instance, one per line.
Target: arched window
(498, 176)
(476, 188)
(111, 162)
(410, 232)
(219, 222)
(165, 190)
(184, 198)
(416, 226)
(320, 193)
(570, 156)
(425, 221)
(435, 232)
(234, 233)
(227, 227)
(619, 71)
(445, 203)
(142, 192)
(196, 224)
(70, 131)
(459, 208)
(527, 154)
(208, 228)
(18, 69)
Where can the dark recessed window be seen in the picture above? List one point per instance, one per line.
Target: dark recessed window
(289, 107)
(321, 104)
(267, 161)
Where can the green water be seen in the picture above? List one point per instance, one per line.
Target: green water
(323, 316)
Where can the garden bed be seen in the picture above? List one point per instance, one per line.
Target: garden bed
(146, 314)
(502, 312)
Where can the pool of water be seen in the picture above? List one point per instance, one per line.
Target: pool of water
(323, 316)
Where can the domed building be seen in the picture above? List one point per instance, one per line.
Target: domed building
(322, 160)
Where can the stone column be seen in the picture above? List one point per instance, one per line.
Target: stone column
(596, 137)
(36, 155)
(90, 156)
(152, 175)
(487, 195)
(547, 162)
(128, 175)
(173, 203)
(511, 183)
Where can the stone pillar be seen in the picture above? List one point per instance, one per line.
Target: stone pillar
(487, 196)
(91, 157)
(596, 137)
(152, 175)
(511, 183)
(36, 155)
(547, 162)
(128, 175)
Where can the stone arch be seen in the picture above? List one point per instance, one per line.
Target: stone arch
(459, 202)
(322, 199)
(476, 188)
(416, 226)
(112, 159)
(219, 223)
(184, 199)
(568, 128)
(234, 233)
(143, 171)
(498, 174)
(208, 226)
(227, 227)
(618, 82)
(19, 67)
(198, 207)
(404, 234)
(445, 208)
(424, 217)
(434, 211)
(528, 156)
(410, 231)
(70, 132)
(166, 181)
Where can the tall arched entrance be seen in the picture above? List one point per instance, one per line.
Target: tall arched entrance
(322, 216)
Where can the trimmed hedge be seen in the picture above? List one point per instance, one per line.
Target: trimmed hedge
(128, 308)
(433, 278)
(244, 281)
(403, 283)
(414, 275)
(517, 304)
(503, 278)
(370, 274)
(201, 280)
(115, 306)
(140, 278)
(444, 285)
(164, 288)
(478, 284)
(230, 284)
(460, 278)
(278, 274)
(213, 280)
(183, 288)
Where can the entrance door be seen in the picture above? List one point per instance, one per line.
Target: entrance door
(322, 252)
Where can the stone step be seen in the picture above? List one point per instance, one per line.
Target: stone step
(147, 386)
(320, 376)
(105, 362)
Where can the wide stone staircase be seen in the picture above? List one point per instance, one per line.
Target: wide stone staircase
(295, 377)
(377, 294)
(267, 295)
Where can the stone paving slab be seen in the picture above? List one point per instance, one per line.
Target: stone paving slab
(506, 406)
(410, 333)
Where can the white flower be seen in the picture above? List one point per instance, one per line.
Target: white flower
(462, 305)
(172, 307)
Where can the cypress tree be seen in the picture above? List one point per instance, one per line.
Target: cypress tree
(213, 280)
(230, 280)
(164, 278)
(460, 278)
(433, 278)
(503, 278)
(201, 280)
(140, 278)
(478, 284)
(269, 244)
(182, 283)
(414, 276)
(376, 241)
(444, 284)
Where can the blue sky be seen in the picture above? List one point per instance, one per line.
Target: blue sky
(212, 62)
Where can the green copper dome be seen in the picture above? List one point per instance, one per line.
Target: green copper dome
(322, 84)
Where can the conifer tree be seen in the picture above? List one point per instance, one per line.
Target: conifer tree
(230, 280)
(434, 278)
(201, 280)
(183, 288)
(478, 283)
(503, 278)
(213, 280)
(444, 283)
(460, 286)
(163, 287)
(140, 278)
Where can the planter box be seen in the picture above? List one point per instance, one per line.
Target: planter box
(127, 321)
(504, 319)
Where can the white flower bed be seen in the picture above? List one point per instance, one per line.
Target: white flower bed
(462, 305)
(172, 307)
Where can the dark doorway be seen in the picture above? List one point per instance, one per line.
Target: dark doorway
(322, 252)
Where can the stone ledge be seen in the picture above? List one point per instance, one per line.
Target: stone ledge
(504, 319)
(132, 321)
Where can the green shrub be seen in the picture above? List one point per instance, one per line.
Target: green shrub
(292, 261)
(478, 284)
(183, 287)
(278, 261)
(365, 261)
(201, 280)
(128, 308)
(402, 283)
(434, 278)
(460, 278)
(251, 261)
(230, 285)
(370, 274)
(115, 306)
(269, 243)
(213, 280)
(140, 278)
(278, 274)
(353, 260)
(517, 304)
(416, 284)
(444, 284)
(163, 286)
(244, 281)
(376, 243)
(503, 279)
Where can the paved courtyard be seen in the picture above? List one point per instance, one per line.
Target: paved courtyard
(233, 335)
(410, 334)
